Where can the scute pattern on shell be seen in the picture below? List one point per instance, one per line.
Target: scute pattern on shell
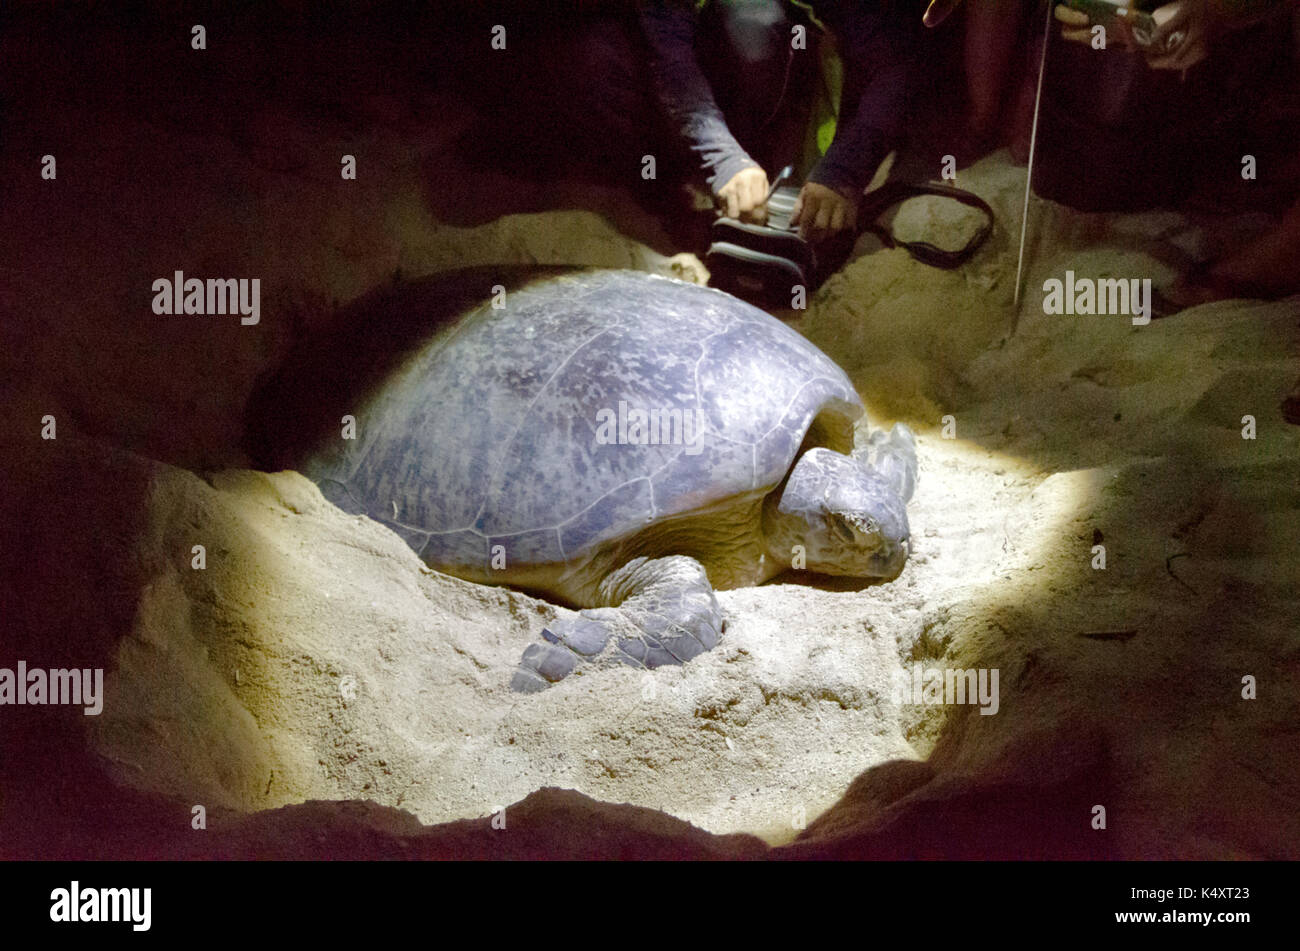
(489, 436)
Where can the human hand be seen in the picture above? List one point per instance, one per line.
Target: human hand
(1075, 24)
(1077, 27)
(1182, 37)
(745, 193)
(820, 211)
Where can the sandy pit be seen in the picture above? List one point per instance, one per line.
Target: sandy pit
(316, 658)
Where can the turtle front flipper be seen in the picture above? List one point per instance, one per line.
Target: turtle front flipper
(893, 455)
(657, 611)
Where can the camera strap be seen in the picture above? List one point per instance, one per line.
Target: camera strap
(877, 202)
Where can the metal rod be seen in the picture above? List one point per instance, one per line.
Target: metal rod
(784, 174)
(1029, 174)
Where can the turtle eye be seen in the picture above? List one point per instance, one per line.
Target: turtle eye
(843, 529)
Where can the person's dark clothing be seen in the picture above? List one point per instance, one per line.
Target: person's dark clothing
(589, 95)
(718, 73)
(1116, 135)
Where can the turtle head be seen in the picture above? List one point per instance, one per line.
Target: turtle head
(842, 515)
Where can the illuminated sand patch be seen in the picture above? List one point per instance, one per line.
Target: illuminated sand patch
(316, 658)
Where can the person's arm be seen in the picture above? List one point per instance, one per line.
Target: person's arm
(877, 47)
(684, 94)
(877, 43)
(1185, 29)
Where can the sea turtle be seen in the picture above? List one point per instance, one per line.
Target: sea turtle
(625, 443)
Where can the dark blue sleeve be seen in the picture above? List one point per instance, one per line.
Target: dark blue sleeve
(684, 93)
(877, 43)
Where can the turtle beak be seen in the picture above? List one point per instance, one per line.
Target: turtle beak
(892, 558)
